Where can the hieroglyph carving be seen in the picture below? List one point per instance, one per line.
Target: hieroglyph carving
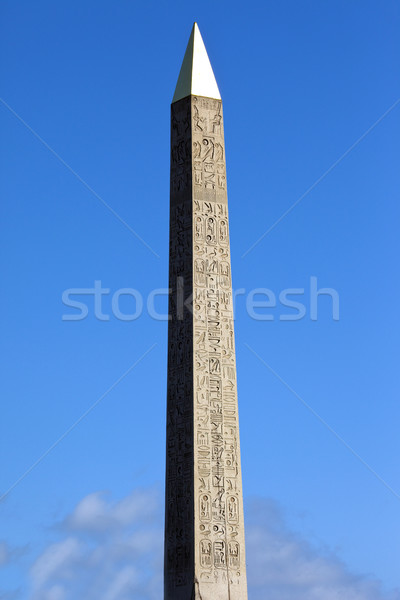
(204, 507)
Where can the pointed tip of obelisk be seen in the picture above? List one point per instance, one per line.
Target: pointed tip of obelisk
(196, 76)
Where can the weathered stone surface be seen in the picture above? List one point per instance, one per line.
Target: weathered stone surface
(204, 527)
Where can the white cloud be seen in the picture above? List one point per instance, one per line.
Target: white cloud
(123, 583)
(114, 551)
(287, 566)
(95, 515)
(57, 560)
(109, 551)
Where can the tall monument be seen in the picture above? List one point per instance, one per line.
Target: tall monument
(204, 529)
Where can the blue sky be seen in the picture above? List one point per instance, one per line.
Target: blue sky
(301, 83)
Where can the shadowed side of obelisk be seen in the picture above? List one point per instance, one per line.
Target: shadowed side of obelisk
(179, 502)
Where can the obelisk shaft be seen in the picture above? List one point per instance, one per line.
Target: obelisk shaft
(204, 527)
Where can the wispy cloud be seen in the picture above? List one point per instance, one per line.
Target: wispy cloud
(283, 565)
(108, 551)
(112, 550)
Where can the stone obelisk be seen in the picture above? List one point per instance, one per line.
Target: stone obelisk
(204, 528)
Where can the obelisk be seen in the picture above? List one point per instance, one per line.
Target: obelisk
(204, 528)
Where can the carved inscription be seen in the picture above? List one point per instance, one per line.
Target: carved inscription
(217, 461)
(204, 539)
(208, 146)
